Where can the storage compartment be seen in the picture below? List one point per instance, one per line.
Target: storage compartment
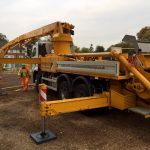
(122, 99)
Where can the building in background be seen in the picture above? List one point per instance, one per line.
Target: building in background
(137, 45)
(17, 52)
(144, 46)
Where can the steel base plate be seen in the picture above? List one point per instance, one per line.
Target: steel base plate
(40, 138)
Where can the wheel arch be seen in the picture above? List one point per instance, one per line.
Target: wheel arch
(84, 80)
(65, 77)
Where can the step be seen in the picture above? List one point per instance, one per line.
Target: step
(141, 110)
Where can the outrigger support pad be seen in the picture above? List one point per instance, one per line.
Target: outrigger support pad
(44, 136)
(40, 137)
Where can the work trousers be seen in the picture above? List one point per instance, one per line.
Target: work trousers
(25, 82)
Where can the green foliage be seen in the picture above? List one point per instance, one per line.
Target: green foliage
(99, 48)
(88, 50)
(109, 49)
(3, 39)
(76, 49)
(85, 50)
(144, 34)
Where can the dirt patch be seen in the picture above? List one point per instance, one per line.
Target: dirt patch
(103, 129)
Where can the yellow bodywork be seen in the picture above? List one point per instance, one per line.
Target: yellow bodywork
(145, 60)
(60, 33)
(117, 98)
(71, 105)
(122, 99)
(61, 43)
(135, 78)
(55, 30)
(20, 60)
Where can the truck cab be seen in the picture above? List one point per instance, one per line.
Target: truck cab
(40, 49)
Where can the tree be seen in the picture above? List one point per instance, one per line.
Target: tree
(84, 50)
(144, 34)
(87, 50)
(99, 48)
(3, 39)
(76, 49)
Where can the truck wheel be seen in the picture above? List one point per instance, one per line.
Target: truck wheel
(80, 90)
(64, 90)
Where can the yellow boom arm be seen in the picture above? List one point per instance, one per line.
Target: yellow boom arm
(60, 33)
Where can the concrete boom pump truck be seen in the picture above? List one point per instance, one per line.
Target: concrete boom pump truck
(86, 80)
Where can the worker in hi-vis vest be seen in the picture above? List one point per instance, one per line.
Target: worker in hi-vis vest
(24, 73)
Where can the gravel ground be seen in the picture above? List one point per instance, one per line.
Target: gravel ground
(102, 129)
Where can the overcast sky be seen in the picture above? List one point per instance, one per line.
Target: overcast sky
(100, 22)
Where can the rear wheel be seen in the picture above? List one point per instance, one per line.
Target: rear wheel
(81, 90)
(64, 90)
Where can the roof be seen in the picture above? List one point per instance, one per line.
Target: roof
(131, 40)
(143, 45)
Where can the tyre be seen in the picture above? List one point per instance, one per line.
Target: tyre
(63, 90)
(81, 90)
